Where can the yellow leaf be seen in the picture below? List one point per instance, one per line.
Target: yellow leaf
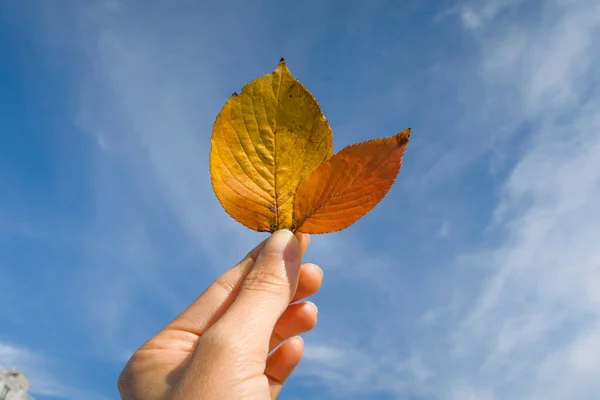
(265, 141)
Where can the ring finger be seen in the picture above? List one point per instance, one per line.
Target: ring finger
(298, 318)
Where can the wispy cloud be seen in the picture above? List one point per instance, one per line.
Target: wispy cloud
(530, 329)
(153, 115)
(153, 215)
(477, 14)
(475, 279)
(41, 372)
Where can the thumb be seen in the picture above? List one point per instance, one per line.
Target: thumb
(266, 291)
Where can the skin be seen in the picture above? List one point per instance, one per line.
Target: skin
(221, 347)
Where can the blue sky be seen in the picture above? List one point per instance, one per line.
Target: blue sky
(477, 277)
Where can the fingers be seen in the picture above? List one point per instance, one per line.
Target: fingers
(282, 363)
(266, 292)
(219, 296)
(309, 281)
(304, 240)
(297, 318)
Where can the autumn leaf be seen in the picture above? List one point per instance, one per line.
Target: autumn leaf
(349, 185)
(265, 140)
(272, 167)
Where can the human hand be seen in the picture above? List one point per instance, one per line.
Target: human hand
(218, 348)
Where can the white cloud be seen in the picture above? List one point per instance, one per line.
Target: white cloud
(323, 353)
(525, 335)
(524, 330)
(477, 14)
(352, 371)
(153, 215)
(154, 115)
(544, 66)
(529, 327)
(41, 373)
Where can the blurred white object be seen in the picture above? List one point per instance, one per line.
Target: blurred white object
(13, 385)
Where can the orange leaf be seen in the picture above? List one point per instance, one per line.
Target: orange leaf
(265, 141)
(349, 185)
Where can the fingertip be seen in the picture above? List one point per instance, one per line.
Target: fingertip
(306, 315)
(291, 350)
(282, 363)
(303, 240)
(309, 281)
(313, 305)
(298, 343)
(281, 244)
(315, 270)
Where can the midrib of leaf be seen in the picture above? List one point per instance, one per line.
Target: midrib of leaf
(275, 152)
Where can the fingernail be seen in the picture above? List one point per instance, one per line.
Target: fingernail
(314, 305)
(283, 245)
(320, 270)
(277, 244)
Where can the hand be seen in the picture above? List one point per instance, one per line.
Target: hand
(219, 347)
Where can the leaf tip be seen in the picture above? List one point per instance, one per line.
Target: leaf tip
(402, 137)
(282, 66)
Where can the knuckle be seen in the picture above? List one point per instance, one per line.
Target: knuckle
(132, 381)
(226, 285)
(266, 281)
(125, 382)
(218, 341)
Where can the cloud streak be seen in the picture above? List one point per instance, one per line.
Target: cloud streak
(531, 328)
(476, 278)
